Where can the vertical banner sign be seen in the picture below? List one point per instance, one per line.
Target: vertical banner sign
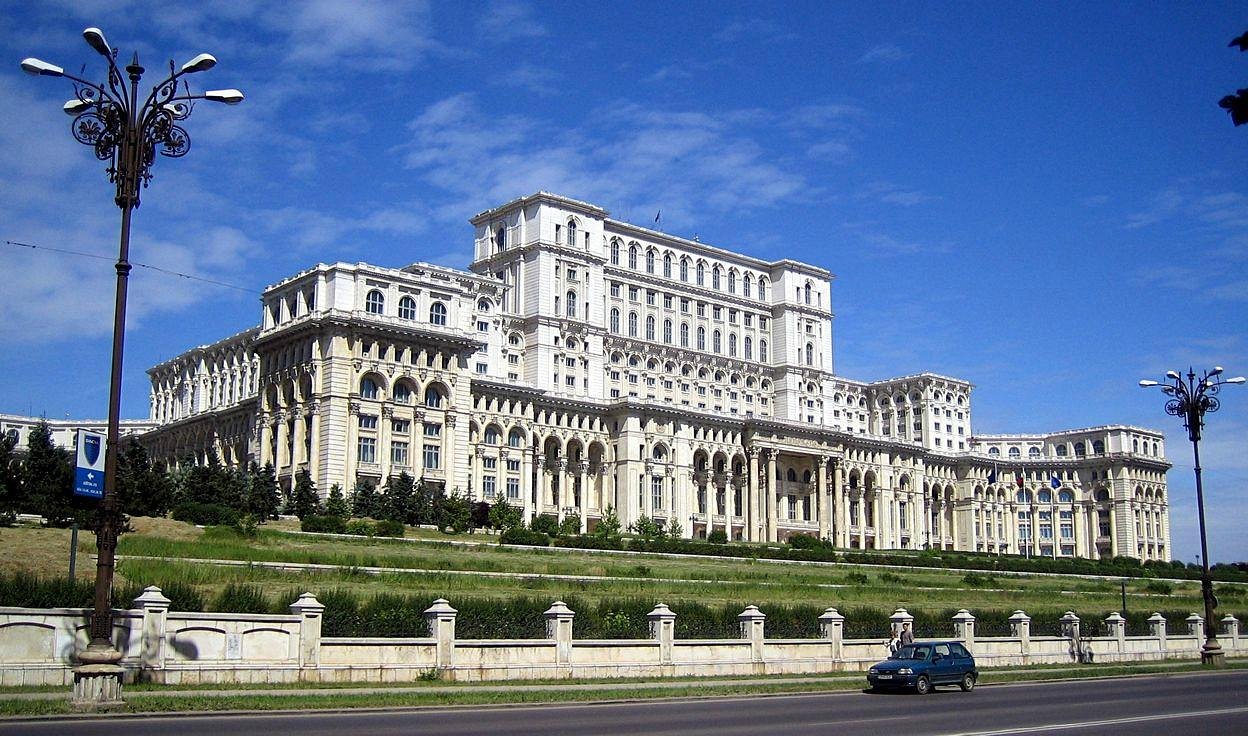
(89, 468)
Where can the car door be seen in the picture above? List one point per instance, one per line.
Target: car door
(944, 664)
(965, 662)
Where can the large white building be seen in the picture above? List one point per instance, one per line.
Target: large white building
(583, 362)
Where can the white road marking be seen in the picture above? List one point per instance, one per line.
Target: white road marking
(1103, 722)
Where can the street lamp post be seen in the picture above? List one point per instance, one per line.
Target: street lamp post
(1191, 399)
(127, 131)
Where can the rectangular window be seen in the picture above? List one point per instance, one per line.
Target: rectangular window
(633, 293)
(488, 487)
(570, 381)
(615, 393)
(762, 323)
(732, 316)
(513, 465)
(615, 288)
(368, 421)
(717, 312)
(483, 326)
(433, 430)
(400, 426)
(656, 493)
(398, 453)
(489, 463)
(667, 301)
(482, 368)
(513, 359)
(571, 274)
(684, 306)
(749, 320)
(570, 362)
(513, 488)
(650, 296)
(701, 309)
(433, 457)
(368, 449)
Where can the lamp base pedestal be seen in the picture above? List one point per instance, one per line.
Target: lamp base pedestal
(1211, 655)
(97, 680)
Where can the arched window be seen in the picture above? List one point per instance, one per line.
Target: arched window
(715, 278)
(684, 269)
(650, 327)
(667, 331)
(407, 308)
(749, 348)
(615, 321)
(762, 289)
(810, 354)
(571, 300)
(632, 257)
(368, 388)
(1033, 452)
(732, 345)
(732, 282)
(491, 432)
(807, 290)
(667, 265)
(402, 393)
(500, 239)
(650, 261)
(437, 313)
(483, 306)
(1021, 496)
(701, 274)
(659, 454)
(1080, 449)
(701, 338)
(715, 342)
(615, 252)
(375, 302)
(515, 438)
(1098, 447)
(433, 397)
(762, 350)
(747, 285)
(1044, 497)
(1015, 452)
(792, 475)
(632, 324)
(684, 334)
(994, 451)
(572, 233)
(1065, 496)
(1061, 450)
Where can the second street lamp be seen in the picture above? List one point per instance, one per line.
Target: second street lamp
(1190, 399)
(127, 131)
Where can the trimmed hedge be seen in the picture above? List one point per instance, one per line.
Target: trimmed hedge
(520, 535)
(324, 524)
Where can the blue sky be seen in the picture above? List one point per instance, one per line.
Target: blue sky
(1043, 199)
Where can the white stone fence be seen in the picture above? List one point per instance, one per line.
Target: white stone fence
(37, 647)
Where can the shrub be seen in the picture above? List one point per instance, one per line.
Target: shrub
(324, 524)
(719, 536)
(976, 580)
(570, 526)
(207, 514)
(1160, 587)
(238, 598)
(889, 578)
(520, 535)
(804, 541)
(547, 525)
(390, 528)
(361, 527)
(857, 578)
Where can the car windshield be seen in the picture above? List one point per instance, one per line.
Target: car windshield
(910, 651)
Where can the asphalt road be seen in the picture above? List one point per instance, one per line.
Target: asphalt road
(1207, 704)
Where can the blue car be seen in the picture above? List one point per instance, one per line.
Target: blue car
(924, 665)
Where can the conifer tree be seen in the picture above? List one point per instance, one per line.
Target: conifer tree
(263, 496)
(400, 495)
(47, 478)
(10, 480)
(364, 500)
(143, 489)
(304, 500)
(337, 505)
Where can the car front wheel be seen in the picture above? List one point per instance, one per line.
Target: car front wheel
(968, 682)
(923, 686)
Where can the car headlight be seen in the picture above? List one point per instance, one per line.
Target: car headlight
(905, 671)
(873, 671)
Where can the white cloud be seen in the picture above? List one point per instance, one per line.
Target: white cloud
(537, 79)
(508, 21)
(890, 193)
(884, 53)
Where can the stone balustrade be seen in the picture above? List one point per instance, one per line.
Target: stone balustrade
(37, 646)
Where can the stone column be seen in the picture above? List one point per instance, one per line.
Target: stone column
(1020, 628)
(772, 497)
(1070, 630)
(309, 609)
(898, 621)
(964, 627)
(832, 626)
(751, 621)
(1117, 627)
(155, 608)
(582, 503)
(314, 452)
(751, 500)
(1230, 631)
(559, 628)
(663, 630)
(526, 485)
(840, 506)
(1157, 625)
(441, 620)
(730, 502)
(821, 497)
(475, 461)
(1196, 628)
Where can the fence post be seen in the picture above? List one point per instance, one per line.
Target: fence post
(1117, 627)
(751, 621)
(1196, 628)
(155, 607)
(1157, 625)
(898, 621)
(1070, 629)
(663, 630)
(559, 627)
(309, 609)
(964, 627)
(1020, 627)
(832, 624)
(441, 620)
(1230, 630)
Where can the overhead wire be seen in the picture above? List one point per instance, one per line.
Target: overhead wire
(148, 266)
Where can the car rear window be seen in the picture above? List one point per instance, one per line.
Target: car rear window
(959, 650)
(942, 650)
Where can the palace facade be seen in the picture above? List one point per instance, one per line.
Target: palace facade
(583, 362)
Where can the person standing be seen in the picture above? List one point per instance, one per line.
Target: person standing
(907, 636)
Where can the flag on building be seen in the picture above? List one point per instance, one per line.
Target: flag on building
(657, 216)
(992, 474)
(1054, 482)
(1018, 478)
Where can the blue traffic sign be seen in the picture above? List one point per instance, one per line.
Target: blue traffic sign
(89, 468)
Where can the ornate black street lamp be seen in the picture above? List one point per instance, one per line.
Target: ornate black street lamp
(127, 131)
(1191, 399)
